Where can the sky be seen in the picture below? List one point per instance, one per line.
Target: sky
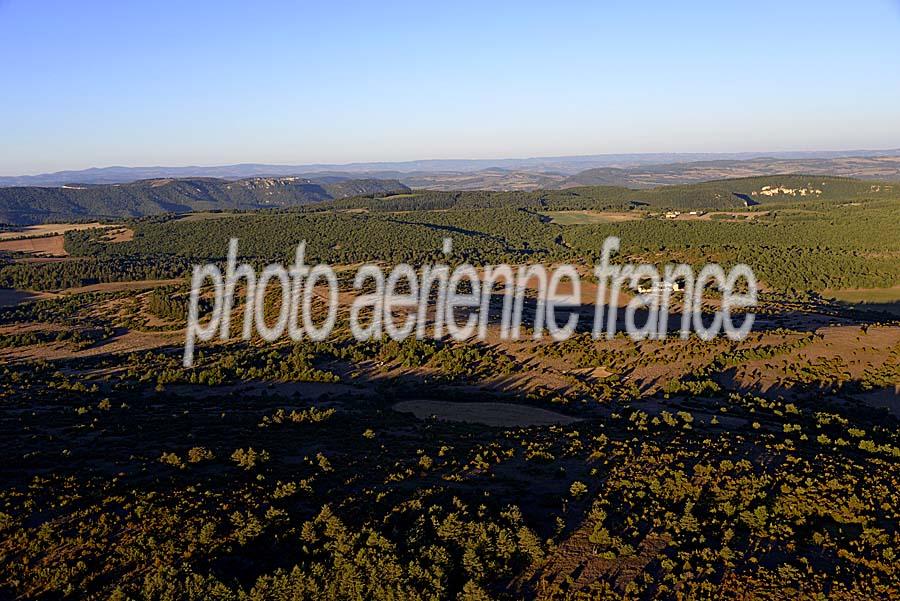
(93, 84)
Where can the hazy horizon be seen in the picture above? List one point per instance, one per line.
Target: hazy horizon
(748, 154)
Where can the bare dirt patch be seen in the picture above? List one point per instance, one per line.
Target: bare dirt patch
(48, 246)
(588, 287)
(122, 234)
(46, 240)
(593, 372)
(46, 229)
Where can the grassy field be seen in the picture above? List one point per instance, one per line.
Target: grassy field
(203, 215)
(46, 229)
(886, 300)
(865, 295)
(589, 217)
(45, 240)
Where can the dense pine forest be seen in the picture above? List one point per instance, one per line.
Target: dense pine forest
(25, 205)
(845, 240)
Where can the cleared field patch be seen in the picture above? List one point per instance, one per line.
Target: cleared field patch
(500, 415)
(865, 295)
(203, 216)
(590, 217)
(122, 234)
(886, 300)
(46, 246)
(45, 240)
(47, 229)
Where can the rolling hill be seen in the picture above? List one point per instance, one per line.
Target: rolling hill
(872, 167)
(725, 194)
(631, 170)
(32, 204)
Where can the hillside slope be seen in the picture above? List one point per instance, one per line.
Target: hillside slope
(29, 205)
(649, 176)
(728, 194)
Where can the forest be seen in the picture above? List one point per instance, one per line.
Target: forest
(807, 245)
(23, 205)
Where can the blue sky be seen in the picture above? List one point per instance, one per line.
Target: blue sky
(175, 83)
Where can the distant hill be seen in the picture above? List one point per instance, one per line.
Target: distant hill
(868, 167)
(768, 191)
(31, 204)
(484, 174)
(765, 191)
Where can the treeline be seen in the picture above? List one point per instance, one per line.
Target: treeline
(313, 361)
(166, 303)
(84, 272)
(433, 200)
(81, 338)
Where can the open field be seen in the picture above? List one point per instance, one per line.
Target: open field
(47, 229)
(865, 295)
(45, 240)
(587, 217)
(120, 234)
(48, 246)
(204, 215)
(885, 300)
